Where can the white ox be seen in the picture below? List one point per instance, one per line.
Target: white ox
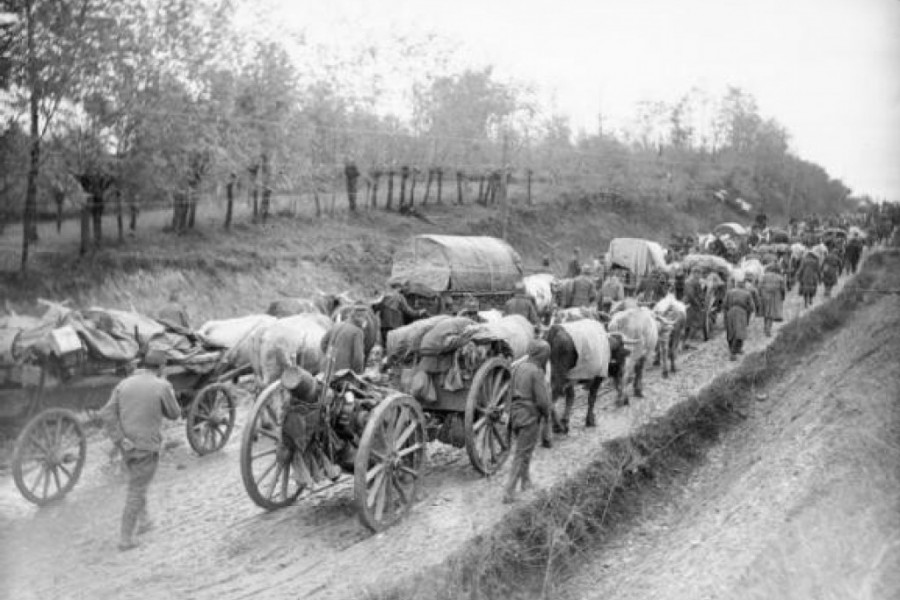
(540, 287)
(671, 316)
(638, 329)
(320, 303)
(234, 335)
(287, 342)
(752, 268)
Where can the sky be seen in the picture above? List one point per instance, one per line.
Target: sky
(828, 70)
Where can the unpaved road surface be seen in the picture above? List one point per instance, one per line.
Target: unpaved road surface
(211, 541)
(800, 502)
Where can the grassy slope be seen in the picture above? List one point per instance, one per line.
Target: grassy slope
(227, 274)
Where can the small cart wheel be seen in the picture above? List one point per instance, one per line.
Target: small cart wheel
(487, 416)
(389, 462)
(49, 456)
(265, 463)
(210, 419)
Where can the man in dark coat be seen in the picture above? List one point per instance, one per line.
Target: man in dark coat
(394, 311)
(133, 420)
(808, 278)
(853, 252)
(739, 307)
(530, 403)
(584, 293)
(694, 300)
(574, 267)
(344, 344)
(522, 304)
(772, 291)
(831, 268)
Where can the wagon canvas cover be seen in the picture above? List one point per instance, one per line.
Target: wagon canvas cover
(463, 263)
(637, 255)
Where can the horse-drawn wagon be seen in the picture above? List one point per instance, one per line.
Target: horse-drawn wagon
(69, 361)
(445, 378)
(441, 272)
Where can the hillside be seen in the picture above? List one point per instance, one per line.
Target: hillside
(222, 274)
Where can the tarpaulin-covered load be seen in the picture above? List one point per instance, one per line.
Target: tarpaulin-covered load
(707, 263)
(406, 340)
(467, 263)
(515, 330)
(731, 229)
(637, 255)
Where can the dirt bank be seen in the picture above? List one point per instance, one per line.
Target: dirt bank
(212, 542)
(800, 501)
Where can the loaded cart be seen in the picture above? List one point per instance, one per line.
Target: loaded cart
(56, 370)
(715, 273)
(446, 378)
(440, 273)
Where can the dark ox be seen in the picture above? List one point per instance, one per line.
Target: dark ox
(564, 358)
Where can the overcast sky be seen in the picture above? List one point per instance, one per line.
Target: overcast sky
(828, 70)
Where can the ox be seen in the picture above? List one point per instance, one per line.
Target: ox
(638, 329)
(234, 335)
(671, 316)
(582, 352)
(541, 287)
(292, 341)
(321, 303)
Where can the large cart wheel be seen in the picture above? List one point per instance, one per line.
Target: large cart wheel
(49, 456)
(389, 462)
(487, 416)
(265, 463)
(210, 419)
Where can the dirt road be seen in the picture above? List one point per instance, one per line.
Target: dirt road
(799, 502)
(211, 541)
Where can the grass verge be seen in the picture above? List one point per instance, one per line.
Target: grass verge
(529, 552)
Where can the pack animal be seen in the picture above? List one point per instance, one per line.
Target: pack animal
(671, 316)
(582, 352)
(638, 328)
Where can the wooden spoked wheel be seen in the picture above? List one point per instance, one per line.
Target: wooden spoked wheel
(210, 419)
(49, 456)
(265, 462)
(487, 416)
(389, 462)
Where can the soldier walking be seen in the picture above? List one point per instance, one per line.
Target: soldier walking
(133, 420)
(530, 403)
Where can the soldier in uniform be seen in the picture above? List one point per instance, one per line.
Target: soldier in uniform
(530, 403)
(133, 421)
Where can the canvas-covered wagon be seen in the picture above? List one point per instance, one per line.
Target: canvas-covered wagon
(441, 272)
(640, 258)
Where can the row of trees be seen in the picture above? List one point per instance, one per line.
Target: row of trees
(124, 103)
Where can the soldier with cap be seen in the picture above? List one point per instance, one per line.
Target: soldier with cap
(393, 309)
(344, 343)
(133, 420)
(303, 429)
(530, 402)
(522, 304)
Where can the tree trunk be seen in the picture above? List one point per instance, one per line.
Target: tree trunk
(459, 187)
(229, 202)
(368, 192)
(318, 203)
(404, 175)
(374, 198)
(133, 208)
(28, 214)
(390, 198)
(266, 186)
(59, 197)
(440, 181)
(85, 228)
(254, 192)
(193, 195)
(412, 188)
(97, 217)
(120, 224)
(528, 175)
(481, 189)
